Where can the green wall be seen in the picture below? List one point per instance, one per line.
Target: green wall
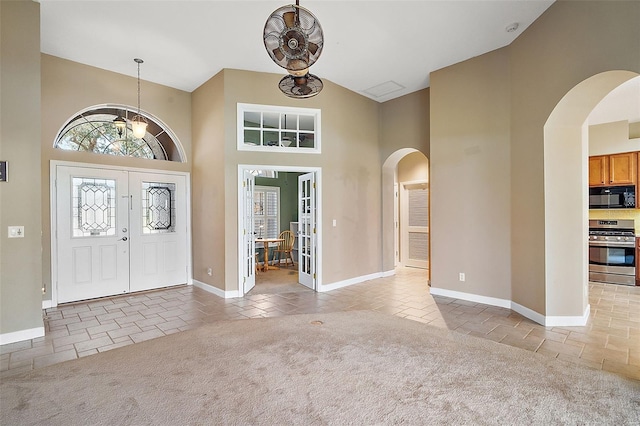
(288, 184)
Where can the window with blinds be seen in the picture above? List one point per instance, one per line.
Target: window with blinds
(266, 211)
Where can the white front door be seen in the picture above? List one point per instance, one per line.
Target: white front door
(307, 230)
(415, 225)
(248, 243)
(118, 231)
(92, 216)
(158, 236)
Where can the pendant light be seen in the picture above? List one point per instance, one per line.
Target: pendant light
(139, 123)
(120, 124)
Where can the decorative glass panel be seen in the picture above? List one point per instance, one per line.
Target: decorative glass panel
(158, 207)
(94, 207)
(95, 131)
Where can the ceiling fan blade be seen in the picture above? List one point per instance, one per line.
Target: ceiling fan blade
(289, 19)
(313, 48)
(278, 54)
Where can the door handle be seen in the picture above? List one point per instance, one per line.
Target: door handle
(123, 239)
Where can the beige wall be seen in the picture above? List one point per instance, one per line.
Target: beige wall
(208, 186)
(20, 258)
(69, 87)
(404, 123)
(540, 216)
(404, 127)
(350, 164)
(611, 138)
(569, 43)
(413, 167)
(470, 176)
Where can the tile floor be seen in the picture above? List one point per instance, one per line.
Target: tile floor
(610, 341)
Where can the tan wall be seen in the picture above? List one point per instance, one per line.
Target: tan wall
(404, 123)
(413, 167)
(543, 232)
(69, 87)
(611, 138)
(20, 258)
(404, 126)
(350, 163)
(569, 43)
(208, 186)
(470, 176)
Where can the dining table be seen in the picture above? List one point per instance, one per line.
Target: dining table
(265, 245)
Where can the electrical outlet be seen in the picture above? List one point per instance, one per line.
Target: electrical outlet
(461, 276)
(209, 271)
(16, 232)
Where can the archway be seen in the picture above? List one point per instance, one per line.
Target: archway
(566, 194)
(389, 181)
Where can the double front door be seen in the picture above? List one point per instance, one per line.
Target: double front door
(118, 232)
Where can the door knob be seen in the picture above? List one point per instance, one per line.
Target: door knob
(123, 239)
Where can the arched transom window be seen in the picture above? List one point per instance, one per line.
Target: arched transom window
(96, 131)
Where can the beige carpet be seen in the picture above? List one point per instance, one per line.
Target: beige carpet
(354, 368)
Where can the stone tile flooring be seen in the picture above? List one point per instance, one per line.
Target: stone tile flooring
(610, 341)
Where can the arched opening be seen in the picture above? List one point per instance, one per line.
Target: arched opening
(106, 129)
(566, 198)
(391, 213)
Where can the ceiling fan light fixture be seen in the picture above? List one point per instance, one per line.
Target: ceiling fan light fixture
(300, 87)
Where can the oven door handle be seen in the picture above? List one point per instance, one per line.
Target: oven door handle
(612, 244)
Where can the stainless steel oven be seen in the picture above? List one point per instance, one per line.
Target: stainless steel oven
(612, 253)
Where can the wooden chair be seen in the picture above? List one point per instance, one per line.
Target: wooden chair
(285, 248)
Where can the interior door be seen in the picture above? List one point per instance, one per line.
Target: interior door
(92, 223)
(158, 237)
(415, 226)
(248, 244)
(307, 230)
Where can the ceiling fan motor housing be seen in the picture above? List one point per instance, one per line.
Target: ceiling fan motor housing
(293, 38)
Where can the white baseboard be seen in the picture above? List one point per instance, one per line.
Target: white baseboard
(568, 321)
(547, 321)
(19, 336)
(388, 273)
(215, 290)
(493, 301)
(528, 313)
(46, 304)
(351, 281)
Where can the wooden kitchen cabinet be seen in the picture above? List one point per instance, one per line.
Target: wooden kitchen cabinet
(614, 169)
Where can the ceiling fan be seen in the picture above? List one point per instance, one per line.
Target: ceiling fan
(294, 39)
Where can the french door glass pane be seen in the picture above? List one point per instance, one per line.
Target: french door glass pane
(94, 207)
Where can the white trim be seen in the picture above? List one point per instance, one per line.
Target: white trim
(528, 313)
(547, 321)
(241, 146)
(19, 336)
(46, 304)
(295, 169)
(568, 321)
(352, 281)
(53, 165)
(493, 301)
(390, 273)
(216, 291)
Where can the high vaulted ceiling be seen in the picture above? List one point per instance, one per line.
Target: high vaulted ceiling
(371, 47)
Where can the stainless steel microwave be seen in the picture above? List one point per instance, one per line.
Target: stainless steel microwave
(612, 197)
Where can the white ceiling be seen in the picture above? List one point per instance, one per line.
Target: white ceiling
(367, 43)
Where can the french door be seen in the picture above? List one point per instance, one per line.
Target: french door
(248, 232)
(307, 230)
(118, 232)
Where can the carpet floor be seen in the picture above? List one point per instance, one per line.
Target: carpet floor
(342, 368)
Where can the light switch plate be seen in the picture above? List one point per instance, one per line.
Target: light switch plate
(16, 231)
